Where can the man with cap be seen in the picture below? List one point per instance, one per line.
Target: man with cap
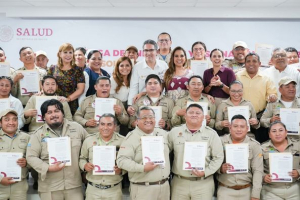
(3, 59)
(13, 140)
(102, 186)
(41, 59)
(56, 181)
(164, 42)
(149, 181)
(239, 51)
(132, 53)
(241, 185)
(287, 99)
(194, 183)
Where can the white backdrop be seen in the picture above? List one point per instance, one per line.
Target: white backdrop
(113, 36)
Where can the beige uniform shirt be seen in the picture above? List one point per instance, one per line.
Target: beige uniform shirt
(130, 157)
(166, 103)
(222, 113)
(16, 144)
(167, 60)
(274, 109)
(234, 65)
(292, 147)
(255, 167)
(181, 134)
(87, 156)
(86, 111)
(181, 103)
(33, 125)
(38, 157)
(15, 91)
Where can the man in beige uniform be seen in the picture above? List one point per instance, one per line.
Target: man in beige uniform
(195, 87)
(102, 186)
(241, 185)
(239, 51)
(14, 141)
(56, 181)
(85, 115)
(164, 42)
(132, 53)
(154, 97)
(194, 184)
(27, 56)
(149, 181)
(49, 87)
(288, 99)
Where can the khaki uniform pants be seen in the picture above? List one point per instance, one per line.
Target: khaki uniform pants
(114, 193)
(16, 191)
(150, 192)
(225, 193)
(195, 190)
(70, 194)
(291, 192)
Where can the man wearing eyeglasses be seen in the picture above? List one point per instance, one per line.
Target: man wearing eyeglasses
(164, 43)
(150, 65)
(239, 51)
(148, 181)
(282, 69)
(194, 183)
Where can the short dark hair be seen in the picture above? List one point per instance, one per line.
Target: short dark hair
(51, 102)
(292, 49)
(236, 82)
(211, 53)
(252, 54)
(238, 117)
(9, 79)
(165, 33)
(274, 123)
(2, 50)
(195, 76)
(150, 42)
(153, 76)
(194, 105)
(102, 78)
(48, 77)
(143, 108)
(91, 52)
(23, 48)
(109, 115)
(83, 50)
(201, 43)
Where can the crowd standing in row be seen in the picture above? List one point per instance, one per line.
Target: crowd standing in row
(163, 78)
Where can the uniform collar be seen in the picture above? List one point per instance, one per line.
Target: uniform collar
(113, 138)
(190, 98)
(235, 62)
(228, 139)
(2, 133)
(142, 133)
(187, 130)
(245, 73)
(229, 102)
(270, 143)
(66, 124)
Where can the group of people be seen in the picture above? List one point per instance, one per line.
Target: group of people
(163, 78)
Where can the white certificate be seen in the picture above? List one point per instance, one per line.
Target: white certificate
(239, 110)
(9, 166)
(59, 150)
(4, 104)
(291, 118)
(265, 53)
(237, 156)
(199, 66)
(194, 155)
(153, 149)
(38, 103)
(204, 106)
(280, 166)
(158, 114)
(104, 158)
(4, 69)
(30, 83)
(104, 105)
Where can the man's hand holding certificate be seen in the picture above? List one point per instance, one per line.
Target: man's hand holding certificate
(9, 166)
(105, 105)
(59, 151)
(153, 150)
(236, 158)
(104, 158)
(30, 83)
(194, 156)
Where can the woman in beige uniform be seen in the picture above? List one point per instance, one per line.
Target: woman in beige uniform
(280, 143)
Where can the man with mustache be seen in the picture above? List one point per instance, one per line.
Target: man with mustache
(239, 51)
(102, 186)
(149, 181)
(86, 111)
(56, 181)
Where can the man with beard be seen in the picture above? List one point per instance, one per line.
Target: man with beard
(56, 181)
(239, 51)
(49, 86)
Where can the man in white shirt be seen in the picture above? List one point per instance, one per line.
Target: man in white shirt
(282, 69)
(150, 65)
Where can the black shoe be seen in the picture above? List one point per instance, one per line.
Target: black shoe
(35, 185)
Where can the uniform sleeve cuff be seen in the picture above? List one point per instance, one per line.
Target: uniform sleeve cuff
(256, 193)
(45, 168)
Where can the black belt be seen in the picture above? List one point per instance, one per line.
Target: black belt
(104, 187)
(152, 183)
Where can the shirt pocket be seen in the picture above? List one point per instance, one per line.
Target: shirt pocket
(3, 146)
(296, 159)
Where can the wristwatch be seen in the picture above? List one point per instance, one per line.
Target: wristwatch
(222, 85)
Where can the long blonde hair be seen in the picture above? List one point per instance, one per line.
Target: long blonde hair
(64, 47)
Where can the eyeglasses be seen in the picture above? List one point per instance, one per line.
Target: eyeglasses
(163, 40)
(279, 56)
(198, 49)
(146, 117)
(236, 91)
(149, 50)
(239, 49)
